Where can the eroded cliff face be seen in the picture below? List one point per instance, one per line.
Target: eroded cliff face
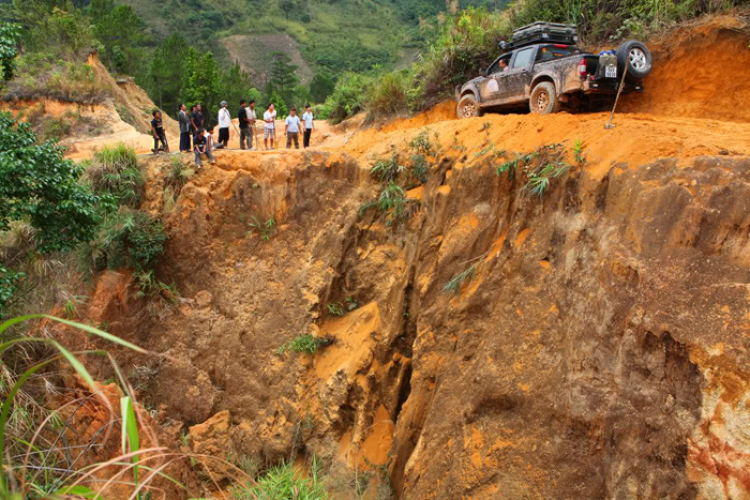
(598, 350)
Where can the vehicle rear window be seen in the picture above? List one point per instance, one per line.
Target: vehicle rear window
(523, 58)
(552, 52)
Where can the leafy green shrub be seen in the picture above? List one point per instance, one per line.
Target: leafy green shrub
(56, 128)
(128, 238)
(387, 170)
(9, 36)
(348, 97)
(9, 283)
(37, 184)
(116, 171)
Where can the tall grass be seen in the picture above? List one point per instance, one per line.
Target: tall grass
(115, 170)
(15, 474)
(389, 95)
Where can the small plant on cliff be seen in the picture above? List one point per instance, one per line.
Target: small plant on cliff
(115, 171)
(511, 166)
(179, 174)
(423, 144)
(151, 286)
(457, 282)
(578, 153)
(265, 229)
(551, 165)
(339, 309)
(387, 170)
(335, 309)
(306, 344)
(285, 482)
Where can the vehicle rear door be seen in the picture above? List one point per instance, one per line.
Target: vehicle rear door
(518, 75)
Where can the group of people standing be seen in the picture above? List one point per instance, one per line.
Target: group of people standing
(192, 126)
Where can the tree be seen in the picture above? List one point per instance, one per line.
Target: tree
(234, 85)
(283, 74)
(31, 13)
(279, 104)
(201, 77)
(165, 73)
(37, 184)
(321, 86)
(120, 30)
(9, 36)
(287, 6)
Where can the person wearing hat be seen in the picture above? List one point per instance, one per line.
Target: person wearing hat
(225, 121)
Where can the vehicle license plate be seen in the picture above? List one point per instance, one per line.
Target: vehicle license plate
(610, 72)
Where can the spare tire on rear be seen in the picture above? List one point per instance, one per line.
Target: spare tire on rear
(636, 57)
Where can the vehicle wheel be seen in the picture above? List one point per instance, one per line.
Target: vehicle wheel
(636, 57)
(468, 107)
(544, 99)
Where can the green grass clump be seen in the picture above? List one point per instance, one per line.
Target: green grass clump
(306, 344)
(284, 482)
(115, 171)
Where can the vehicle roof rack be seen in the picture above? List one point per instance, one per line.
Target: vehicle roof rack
(541, 32)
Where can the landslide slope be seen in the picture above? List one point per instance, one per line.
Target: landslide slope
(597, 346)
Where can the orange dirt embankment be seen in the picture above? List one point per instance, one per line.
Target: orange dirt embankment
(635, 140)
(700, 71)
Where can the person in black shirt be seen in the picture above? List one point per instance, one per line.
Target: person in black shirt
(202, 147)
(244, 125)
(157, 129)
(197, 118)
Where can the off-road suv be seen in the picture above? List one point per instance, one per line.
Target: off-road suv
(543, 67)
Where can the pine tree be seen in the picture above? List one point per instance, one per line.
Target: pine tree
(201, 84)
(283, 75)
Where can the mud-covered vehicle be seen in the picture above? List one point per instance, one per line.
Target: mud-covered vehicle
(542, 66)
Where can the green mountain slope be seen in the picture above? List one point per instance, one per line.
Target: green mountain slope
(335, 35)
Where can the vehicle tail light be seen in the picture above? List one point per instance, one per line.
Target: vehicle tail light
(582, 68)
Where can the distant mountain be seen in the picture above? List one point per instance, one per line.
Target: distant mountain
(332, 35)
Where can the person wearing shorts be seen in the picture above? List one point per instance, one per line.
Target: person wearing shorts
(269, 129)
(292, 129)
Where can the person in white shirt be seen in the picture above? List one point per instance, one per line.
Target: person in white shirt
(269, 129)
(225, 121)
(308, 118)
(292, 129)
